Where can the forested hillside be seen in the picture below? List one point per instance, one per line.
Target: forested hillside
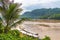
(51, 13)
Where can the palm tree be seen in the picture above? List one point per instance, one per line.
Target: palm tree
(10, 14)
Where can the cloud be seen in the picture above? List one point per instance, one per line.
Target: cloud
(34, 4)
(44, 5)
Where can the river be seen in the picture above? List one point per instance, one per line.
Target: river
(43, 29)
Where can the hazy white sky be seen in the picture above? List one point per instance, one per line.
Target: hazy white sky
(34, 4)
(31, 2)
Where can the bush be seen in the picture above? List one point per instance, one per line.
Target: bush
(46, 38)
(14, 35)
(14, 32)
(1, 28)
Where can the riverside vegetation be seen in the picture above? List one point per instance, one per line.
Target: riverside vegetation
(17, 35)
(9, 14)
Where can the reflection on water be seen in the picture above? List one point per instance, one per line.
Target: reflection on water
(52, 32)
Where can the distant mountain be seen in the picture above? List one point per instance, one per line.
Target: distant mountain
(43, 14)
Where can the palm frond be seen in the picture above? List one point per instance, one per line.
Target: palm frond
(18, 22)
(13, 11)
(10, 13)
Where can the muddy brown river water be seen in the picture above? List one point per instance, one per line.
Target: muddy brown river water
(53, 30)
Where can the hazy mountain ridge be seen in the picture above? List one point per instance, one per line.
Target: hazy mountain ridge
(43, 13)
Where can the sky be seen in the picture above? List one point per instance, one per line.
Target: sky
(37, 4)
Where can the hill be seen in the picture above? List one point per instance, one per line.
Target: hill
(51, 13)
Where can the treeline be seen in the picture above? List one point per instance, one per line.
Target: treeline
(51, 13)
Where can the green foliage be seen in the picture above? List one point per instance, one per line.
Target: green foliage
(9, 36)
(14, 35)
(14, 32)
(44, 17)
(55, 16)
(10, 13)
(43, 13)
(46, 38)
(1, 28)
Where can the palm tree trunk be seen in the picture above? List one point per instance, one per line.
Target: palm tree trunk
(6, 30)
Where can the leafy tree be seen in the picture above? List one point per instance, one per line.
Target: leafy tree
(10, 14)
(55, 16)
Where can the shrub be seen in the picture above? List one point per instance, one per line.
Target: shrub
(46, 38)
(14, 35)
(1, 28)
